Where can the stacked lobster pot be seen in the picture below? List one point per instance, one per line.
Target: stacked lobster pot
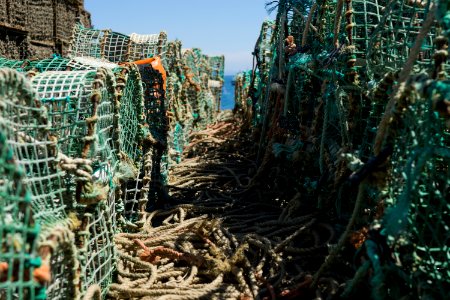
(85, 143)
(352, 100)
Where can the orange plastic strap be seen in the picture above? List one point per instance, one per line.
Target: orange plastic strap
(156, 63)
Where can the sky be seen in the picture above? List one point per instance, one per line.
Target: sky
(228, 27)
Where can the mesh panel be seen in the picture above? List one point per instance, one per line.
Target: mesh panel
(51, 64)
(18, 231)
(116, 47)
(86, 42)
(131, 114)
(25, 126)
(68, 98)
(417, 217)
(145, 46)
(97, 254)
(395, 35)
(81, 110)
(58, 247)
(18, 65)
(88, 63)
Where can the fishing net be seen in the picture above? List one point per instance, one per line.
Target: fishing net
(173, 58)
(18, 65)
(179, 118)
(180, 111)
(195, 85)
(116, 47)
(155, 105)
(395, 34)
(242, 85)
(81, 108)
(217, 64)
(51, 64)
(340, 94)
(86, 42)
(18, 230)
(145, 46)
(263, 47)
(131, 120)
(25, 123)
(417, 195)
(96, 146)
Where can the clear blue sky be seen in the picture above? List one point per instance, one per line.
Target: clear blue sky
(228, 27)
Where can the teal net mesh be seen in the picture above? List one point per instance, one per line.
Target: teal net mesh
(196, 90)
(18, 228)
(95, 141)
(395, 34)
(81, 108)
(156, 106)
(24, 123)
(131, 120)
(86, 42)
(217, 65)
(147, 45)
(352, 93)
(51, 64)
(116, 47)
(417, 217)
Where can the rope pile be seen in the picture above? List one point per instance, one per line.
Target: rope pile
(221, 244)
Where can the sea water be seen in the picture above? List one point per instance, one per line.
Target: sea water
(228, 93)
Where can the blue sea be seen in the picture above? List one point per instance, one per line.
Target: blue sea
(228, 93)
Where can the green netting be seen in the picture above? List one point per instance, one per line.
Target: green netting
(394, 36)
(131, 114)
(339, 93)
(97, 253)
(180, 118)
(18, 230)
(196, 87)
(156, 106)
(263, 48)
(63, 261)
(51, 64)
(97, 144)
(116, 47)
(69, 98)
(81, 109)
(217, 65)
(24, 122)
(86, 42)
(417, 218)
(143, 46)
(18, 65)
(26, 127)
